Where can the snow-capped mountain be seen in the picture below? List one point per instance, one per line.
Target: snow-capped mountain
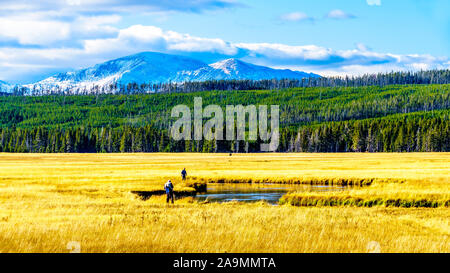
(140, 68)
(5, 87)
(152, 67)
(233, 69)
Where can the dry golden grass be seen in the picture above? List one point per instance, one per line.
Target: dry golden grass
(411, 193)
(50, 200)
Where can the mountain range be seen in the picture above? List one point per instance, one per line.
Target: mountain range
(155, 68)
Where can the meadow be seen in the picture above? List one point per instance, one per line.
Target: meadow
(50, 200)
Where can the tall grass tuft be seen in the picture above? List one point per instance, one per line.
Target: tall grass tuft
(334, 181)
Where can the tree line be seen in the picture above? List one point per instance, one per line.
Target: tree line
(418, 132)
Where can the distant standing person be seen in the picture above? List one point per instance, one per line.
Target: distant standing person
(183, 174)
(168, 187)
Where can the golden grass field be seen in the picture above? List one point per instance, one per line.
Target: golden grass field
(47, 201)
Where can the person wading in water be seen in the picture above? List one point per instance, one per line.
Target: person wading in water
(168, 187)
(183, 174)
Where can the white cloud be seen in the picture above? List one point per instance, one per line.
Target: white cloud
(339, 14)
(362, 47)
(141, 34)
(188, 43)
(374, 2)
(47, 29)
(142, 38)
(32, 30)
(316, 58)
(286, 52)
(57, 23)
(295, 17)
(301, 16)
(96, 26)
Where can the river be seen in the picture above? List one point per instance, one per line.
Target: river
(271, 193)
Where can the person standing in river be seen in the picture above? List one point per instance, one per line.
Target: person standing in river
(168, 187)
(183, 174)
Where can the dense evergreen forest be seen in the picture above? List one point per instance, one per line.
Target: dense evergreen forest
(391, 118)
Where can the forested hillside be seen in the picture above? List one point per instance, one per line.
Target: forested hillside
(394, 118)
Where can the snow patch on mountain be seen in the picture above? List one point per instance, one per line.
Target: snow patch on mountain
(226, 65)
(5, 87)
(233, 69)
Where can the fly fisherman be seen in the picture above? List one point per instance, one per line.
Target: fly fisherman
(183, 174)
(168, 187)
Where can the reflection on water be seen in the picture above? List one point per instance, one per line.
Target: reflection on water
(257, 192)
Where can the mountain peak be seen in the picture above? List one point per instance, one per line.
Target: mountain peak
(227, 66)
(230, 61)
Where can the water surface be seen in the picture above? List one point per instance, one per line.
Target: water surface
(257, 192)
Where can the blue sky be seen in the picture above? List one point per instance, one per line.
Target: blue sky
(328, 37)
